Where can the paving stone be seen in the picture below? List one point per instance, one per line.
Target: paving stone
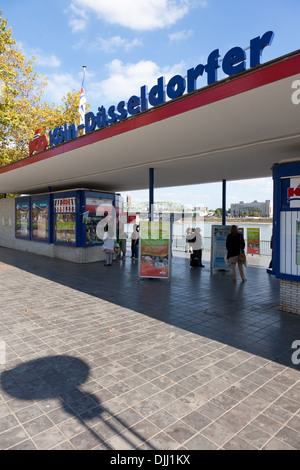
(276, 444)
(289, 436)
(37, 425)
(200, 442)
(217, 434)
(142, 377)
(236, 418)
(236, 443)
(196, 420)
(254, 435)
(179, 431)
(12, 437)
(162, 419)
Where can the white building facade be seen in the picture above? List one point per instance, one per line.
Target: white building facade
(242, 209)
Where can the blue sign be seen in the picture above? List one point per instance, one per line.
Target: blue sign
(233, 62)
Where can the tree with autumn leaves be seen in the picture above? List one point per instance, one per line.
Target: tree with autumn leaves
(22, 108)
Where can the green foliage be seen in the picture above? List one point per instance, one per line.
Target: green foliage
(22, 109)
(218, 212)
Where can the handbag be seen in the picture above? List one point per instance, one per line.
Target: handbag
(242, 257)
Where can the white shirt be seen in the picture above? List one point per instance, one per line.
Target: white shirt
(198, 245)
(109, 243)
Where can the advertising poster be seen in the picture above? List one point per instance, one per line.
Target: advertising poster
(96, 209)
(22, 219)
(154, 255)
(298, 242)
(218, 246)
(40, 219)
(253, 241)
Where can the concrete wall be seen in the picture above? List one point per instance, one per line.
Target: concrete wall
(69, 253)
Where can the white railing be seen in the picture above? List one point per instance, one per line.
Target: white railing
(179, 242)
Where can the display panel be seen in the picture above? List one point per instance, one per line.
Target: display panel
(40, 219)
(65, 228)
(154, 253)
(253, 241)
(96, 210)
(218, 254)
(22, 219)
(65, 220)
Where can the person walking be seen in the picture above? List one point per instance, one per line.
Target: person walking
(134, 240)
(235, 245)
(271, 246)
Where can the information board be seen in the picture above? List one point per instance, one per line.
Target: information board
(218, 252)
(253, 241)
(154, 250)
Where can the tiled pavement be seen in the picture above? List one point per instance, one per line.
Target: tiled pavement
(96, 359)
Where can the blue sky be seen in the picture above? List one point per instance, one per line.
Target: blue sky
(129, 43)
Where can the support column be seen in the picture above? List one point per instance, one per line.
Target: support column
(151, 193)
(224, 202)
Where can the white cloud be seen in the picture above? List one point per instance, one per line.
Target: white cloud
(59, 85)
(181, 35)
(116, 43)
(125, 80)
(77, 24)
(42, 59)
(78, 19)
(47, 61)
(139, 15)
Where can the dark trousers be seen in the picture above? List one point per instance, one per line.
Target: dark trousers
(198, 254)
(134, 245)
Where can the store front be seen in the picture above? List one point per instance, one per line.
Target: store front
(65, 224)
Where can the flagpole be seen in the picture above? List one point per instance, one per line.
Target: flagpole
(82, 99)
(84, 70)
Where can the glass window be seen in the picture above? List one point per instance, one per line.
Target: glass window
(96, 210)
(40, 219)
(65, 220)
(22, 219)
(65, 228)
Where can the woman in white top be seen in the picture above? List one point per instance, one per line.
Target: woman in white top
(109, 246)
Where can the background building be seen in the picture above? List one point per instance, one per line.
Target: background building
(244, 209)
